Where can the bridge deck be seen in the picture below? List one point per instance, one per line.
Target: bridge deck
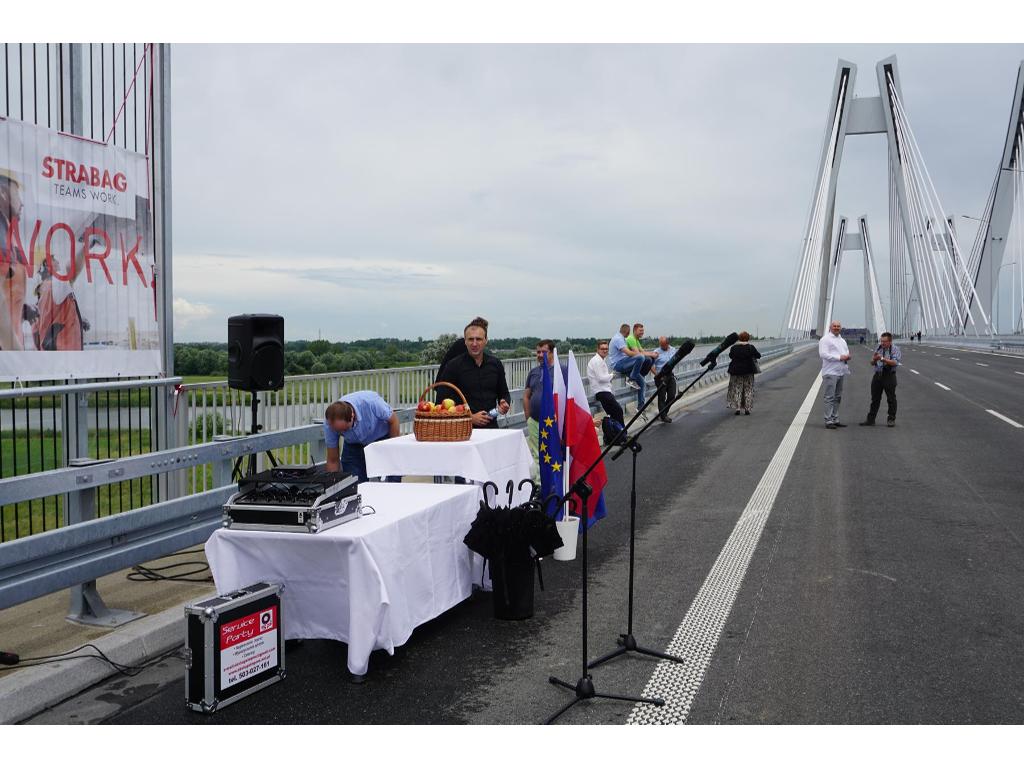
(886, 585)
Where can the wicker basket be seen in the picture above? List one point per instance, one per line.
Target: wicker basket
(442, 427)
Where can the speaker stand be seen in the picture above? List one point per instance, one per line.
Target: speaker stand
(254, 429)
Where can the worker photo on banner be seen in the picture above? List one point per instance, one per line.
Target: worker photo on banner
(76, 258)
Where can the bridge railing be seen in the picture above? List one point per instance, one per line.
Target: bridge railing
(1013, 344)
(90, 546)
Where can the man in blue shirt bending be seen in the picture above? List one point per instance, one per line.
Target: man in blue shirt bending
(885, 361)
(361, 418)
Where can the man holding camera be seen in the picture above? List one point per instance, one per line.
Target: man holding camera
(886, 360)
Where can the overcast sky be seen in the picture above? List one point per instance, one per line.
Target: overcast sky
(556, 190)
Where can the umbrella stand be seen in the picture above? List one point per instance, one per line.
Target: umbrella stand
(584, 688)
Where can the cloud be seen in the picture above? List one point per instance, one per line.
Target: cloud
(187, 313)
(557, 190)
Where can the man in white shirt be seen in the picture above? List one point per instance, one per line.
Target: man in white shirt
(834, 355)
(600, 379)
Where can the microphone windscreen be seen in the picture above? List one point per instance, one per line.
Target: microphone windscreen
(731, 339)
(684, 349)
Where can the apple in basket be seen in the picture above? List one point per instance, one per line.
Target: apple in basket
(452, 411)
(423, 407)
(448, 403)
(462, 408)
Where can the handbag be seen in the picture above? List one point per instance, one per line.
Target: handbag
(757, 365)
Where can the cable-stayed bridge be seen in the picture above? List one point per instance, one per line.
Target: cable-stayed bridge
(802, 574)
(934, 286)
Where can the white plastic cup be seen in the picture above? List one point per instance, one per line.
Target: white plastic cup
(568, 528)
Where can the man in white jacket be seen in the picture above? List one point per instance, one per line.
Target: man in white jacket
(834, 355)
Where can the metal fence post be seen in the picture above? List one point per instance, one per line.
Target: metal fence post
(393, 400)
(161, 165)
(85, 604)
(222, 468)
(318, 447)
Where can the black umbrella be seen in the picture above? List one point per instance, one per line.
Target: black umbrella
(512, 536)
(488, 533)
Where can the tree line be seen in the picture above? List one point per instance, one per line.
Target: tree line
(321, 356)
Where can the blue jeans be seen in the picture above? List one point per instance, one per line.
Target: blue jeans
(636, 368)
(353, 461)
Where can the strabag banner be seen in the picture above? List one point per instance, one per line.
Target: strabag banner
(77, 278)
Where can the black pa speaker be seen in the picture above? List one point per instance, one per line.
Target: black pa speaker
(256, 352)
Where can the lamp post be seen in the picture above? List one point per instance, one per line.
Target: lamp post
(1013, 295)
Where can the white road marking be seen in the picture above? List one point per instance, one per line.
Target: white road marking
(983, 365)
(1011, 422)
(943, 386)
(913, 371)
(955, 358)
(1019, 373)
(696, 638)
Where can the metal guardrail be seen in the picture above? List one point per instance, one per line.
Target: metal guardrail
(52, 426)
(75, 555)
(1013, 344)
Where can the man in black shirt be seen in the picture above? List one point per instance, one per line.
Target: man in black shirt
(480, 376)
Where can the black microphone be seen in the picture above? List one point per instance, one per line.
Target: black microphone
(684, 349)
(712, 356)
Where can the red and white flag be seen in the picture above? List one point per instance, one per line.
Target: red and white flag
(581, 438)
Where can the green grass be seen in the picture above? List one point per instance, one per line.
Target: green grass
(115, 399)
(47, 513)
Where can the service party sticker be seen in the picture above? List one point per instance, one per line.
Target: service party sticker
(248, 646)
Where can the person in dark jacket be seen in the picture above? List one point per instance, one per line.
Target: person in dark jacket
(742, 366)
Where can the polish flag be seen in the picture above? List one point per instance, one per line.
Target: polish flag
(558, 386)
(581, 438)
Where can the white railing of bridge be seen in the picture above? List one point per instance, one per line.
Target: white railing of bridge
(207, 409)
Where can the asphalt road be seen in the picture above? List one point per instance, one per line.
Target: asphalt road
(887, 586)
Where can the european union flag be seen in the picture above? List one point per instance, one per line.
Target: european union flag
(552, 467)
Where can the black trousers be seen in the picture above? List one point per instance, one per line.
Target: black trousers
(883, 382)
(611, 406)
(667, 392)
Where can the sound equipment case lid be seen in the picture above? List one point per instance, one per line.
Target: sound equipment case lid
(238, 636)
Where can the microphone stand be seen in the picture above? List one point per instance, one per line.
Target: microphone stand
(584, 687)
(627, 641)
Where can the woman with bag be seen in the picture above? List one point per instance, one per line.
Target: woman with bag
(743, 365)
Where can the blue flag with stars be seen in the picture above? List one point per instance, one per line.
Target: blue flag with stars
(549, 450)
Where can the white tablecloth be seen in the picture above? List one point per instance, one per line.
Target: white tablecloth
(368, 582)
(498, 455)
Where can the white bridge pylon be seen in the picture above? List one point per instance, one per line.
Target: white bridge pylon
(1000, 239)
(937, 290)
(858, 241)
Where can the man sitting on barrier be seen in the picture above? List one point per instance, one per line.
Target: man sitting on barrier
(361, 418)
(635, 363)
